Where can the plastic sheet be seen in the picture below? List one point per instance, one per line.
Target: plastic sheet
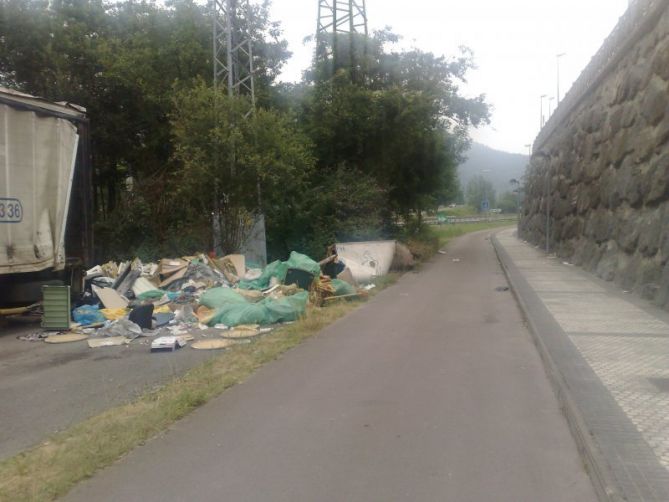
(88, 314)
(267, 311)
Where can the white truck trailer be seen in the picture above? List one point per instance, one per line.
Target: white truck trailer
(45, 195)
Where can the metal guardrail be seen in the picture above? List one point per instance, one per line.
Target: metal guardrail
(449, 220)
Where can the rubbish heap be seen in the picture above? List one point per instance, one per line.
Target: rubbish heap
(212, 302)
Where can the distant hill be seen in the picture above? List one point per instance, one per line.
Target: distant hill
(502, 167)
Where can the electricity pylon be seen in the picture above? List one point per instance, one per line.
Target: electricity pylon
(233, 68)
(338, 23)
(233, 49)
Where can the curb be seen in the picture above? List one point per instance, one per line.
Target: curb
(595, 463)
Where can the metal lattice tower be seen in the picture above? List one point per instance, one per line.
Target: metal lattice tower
(337, 18)
(233, 225)
(233, 49)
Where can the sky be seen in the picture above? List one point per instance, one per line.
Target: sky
(515, 43)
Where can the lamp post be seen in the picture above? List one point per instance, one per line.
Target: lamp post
(557, 59)
(541, 111)
(485, 203)
(529, 149)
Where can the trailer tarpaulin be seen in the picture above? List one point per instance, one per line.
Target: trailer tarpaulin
(37, 158)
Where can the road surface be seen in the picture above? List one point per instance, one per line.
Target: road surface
(433, 391)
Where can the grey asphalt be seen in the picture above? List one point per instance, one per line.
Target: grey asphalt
(45, 388)
(433, 391)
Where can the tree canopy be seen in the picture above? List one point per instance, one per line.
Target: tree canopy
(343, 154)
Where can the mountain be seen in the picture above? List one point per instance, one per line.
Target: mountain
(499, 167)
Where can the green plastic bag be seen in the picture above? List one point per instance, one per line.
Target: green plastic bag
(279, 269)
(218, 297)
(288, 308)
(154, 294)
(342, 288)
(267, 311)
(303, 262)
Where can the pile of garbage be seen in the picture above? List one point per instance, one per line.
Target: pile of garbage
(212, 302)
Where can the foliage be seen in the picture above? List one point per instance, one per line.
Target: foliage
(402, 122)
(232, 162)
(508, 202)
(480, 189)
(341, 155)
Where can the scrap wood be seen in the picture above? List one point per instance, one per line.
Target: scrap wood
(239, 333)
(109, 297)
(212, 344)
(143, 285)
(342, 297)
(65, 338)
(19, 310)
(169, 266)
(110, 269)
(204, 314)
(247, 327)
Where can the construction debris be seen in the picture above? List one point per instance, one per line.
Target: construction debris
(180, 300)
(66, 338)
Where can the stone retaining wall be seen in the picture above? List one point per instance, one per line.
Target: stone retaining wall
(600, 167)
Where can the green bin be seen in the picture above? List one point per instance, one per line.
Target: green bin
(56, 305)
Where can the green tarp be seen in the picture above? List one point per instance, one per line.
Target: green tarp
(279, 269)
(266, 311)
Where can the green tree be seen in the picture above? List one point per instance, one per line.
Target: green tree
(235, 165)
(479, 189)
(508, 202)
(400, 119)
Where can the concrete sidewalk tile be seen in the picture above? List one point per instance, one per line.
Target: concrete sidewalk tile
(613, 357)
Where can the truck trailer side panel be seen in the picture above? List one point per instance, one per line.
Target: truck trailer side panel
(37, 161)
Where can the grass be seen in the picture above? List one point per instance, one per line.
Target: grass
(446, 233)
(458, 211)
(51, 469)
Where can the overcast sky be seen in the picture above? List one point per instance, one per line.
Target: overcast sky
(514, 42)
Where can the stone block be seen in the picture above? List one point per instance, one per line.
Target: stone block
(627, 234)
(656, 180)
(650, 225)
(644, 145)
(629, 184)
(630, 112)
(655, 101)
(648, 273)
(607, 266)
(661, 132)
(620, 147)
(660, 63)
(616, 120)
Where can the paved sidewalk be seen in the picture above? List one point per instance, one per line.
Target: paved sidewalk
(610, 355)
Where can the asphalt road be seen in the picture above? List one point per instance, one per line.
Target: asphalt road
(46, 387)
(433, 391)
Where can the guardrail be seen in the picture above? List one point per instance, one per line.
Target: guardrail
(449, 220)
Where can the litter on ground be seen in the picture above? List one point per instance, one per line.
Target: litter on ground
(178, 301)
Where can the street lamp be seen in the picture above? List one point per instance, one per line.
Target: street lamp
(557, 59)
(541, 111)
(485, 203)
(529, 149)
